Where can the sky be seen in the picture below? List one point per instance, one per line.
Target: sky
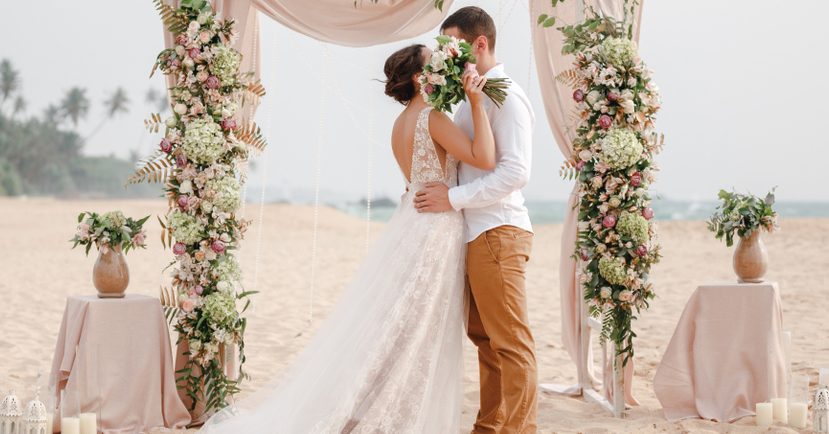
(744, 86)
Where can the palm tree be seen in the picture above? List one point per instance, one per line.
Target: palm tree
(158, 99)
(19, 106)
(53, 114)
(9, 81)
(75, 105)
(115, 104)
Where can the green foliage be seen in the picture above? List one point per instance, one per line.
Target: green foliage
(109, 230)
(743, 214)
(438, 3)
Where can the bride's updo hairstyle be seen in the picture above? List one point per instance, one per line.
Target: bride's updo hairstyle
(400, 70)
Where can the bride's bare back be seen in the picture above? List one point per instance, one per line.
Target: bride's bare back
(403, 138)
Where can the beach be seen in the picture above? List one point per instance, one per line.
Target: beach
(39, 271)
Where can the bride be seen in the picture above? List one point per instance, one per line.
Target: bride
(388, 359)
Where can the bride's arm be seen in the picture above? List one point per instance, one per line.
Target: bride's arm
(478, 152)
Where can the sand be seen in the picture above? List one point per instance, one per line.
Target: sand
(38, 271)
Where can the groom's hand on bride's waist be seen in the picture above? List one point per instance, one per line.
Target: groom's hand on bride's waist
(433, 198)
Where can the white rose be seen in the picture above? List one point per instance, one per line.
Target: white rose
(593, 96)
(180, 50)
(186, 187)
(202, 75)
(606, 292)
(585, 155)
(627, 106)
(601, 248)
(632, 81)
(615, 202)
(223, 286)
(170, 122)
(180, 108)
(193, 27)
(438, 61)
(188, 62)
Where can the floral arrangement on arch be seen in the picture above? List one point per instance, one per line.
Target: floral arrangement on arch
(616, 104)
(200, 160)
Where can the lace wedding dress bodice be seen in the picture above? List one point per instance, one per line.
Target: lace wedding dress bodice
(388, 359)
(425, 161)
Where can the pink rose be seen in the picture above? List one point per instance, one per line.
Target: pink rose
(183, 202)
(580, 165)
(188, 305)
(228, 124)
(605, 121)
(578, 95)
(181, 160)
(218, 246)
(429, 89)
(192, 202)
(199, 289)
(204, 37)
(179, 249)
(647, 213)
(194, 53)
(641, 251)
(212, 82)
(165, 145)
(139, 238)
(612, 96)
(609, 221)
(181, 40)
(584, 256)
(175, 63)
(636, 179)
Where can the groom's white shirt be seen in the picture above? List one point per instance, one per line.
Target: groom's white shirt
(492, 198)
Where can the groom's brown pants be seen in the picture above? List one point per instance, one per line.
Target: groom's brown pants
(498, 326)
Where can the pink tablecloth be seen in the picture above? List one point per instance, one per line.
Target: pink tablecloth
(726, 354)
(116, 353)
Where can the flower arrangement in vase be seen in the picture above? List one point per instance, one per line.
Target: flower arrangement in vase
(113, 235)
(746, 215)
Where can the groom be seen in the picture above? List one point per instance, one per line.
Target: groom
(500, 239)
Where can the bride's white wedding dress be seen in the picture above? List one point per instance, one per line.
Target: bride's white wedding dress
(388, 359)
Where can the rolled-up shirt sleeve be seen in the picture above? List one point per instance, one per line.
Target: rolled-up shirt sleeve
(512, 128)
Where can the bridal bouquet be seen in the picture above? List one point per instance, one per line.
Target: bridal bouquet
(109, 231)
(441, 82)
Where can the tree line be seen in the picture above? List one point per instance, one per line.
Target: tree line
(42, 154)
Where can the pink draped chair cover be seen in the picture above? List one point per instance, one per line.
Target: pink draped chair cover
(338, 22)
(560, 109)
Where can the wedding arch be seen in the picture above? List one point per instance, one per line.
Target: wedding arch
(349, 23)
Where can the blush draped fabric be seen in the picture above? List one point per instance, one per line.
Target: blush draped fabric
(725, 355)
(560, 109)
(116, 354)
(340, 22)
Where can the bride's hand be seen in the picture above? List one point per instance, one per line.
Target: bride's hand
(473, 84)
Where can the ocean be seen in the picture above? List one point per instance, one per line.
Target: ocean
(543, 212)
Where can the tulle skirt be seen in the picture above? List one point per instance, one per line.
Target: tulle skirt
(388, 359)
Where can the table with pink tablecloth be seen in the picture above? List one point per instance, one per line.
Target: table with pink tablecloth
(116, 353)
(726, 354)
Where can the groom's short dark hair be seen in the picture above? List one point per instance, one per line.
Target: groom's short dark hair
(472, 22)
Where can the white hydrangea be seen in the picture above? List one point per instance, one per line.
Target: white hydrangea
(621, 148)
(203, 141)
(225, 193)
(619, 52)
(225, 64)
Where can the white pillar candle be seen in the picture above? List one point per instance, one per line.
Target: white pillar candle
(798, 414)
(89, 423)
(70, 425)
(781, 409)
(764, 413)
(824, 377)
